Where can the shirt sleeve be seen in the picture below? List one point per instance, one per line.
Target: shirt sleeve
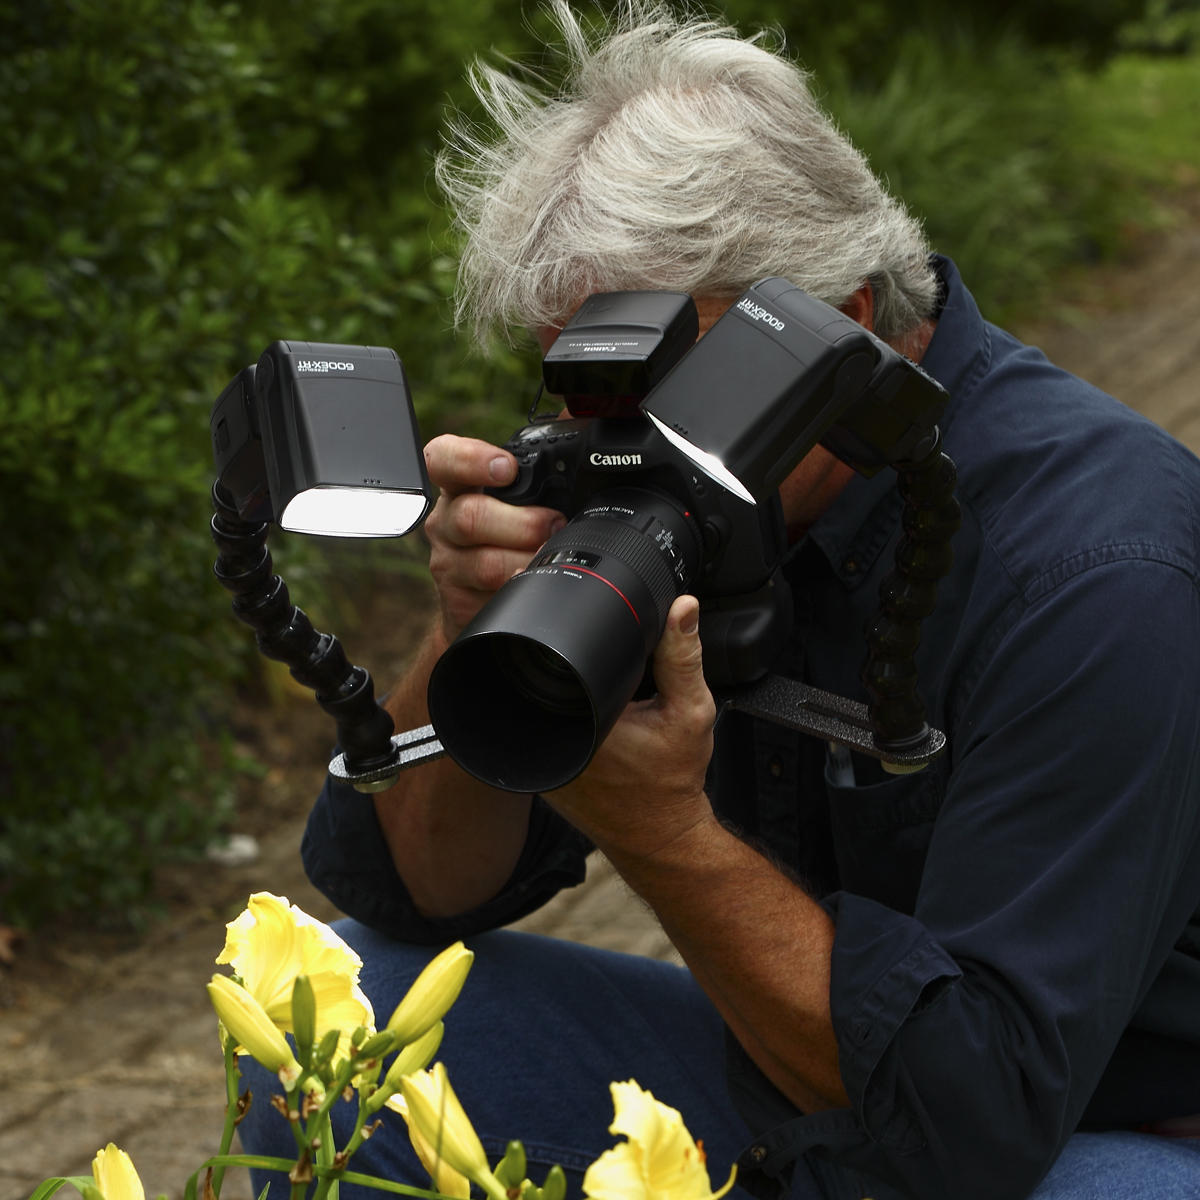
(346, 857)
(1062, 867)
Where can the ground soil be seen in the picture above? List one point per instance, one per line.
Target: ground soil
(110, 1036)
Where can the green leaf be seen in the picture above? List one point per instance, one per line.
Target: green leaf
(48, 1187)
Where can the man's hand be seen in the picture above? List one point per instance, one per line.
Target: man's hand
(476, 542)
(645, 786)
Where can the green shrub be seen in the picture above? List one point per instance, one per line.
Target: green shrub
(1023, 163)
(163, 224)
(1165, 27)
(863, 40)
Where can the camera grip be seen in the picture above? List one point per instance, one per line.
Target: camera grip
(545, 454)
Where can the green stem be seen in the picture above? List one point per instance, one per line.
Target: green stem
(232, 1075)
(295, 1098)
(494, 1188)
(320, 1128)
(325, 1154)
(357, 1138)
(333, 1093)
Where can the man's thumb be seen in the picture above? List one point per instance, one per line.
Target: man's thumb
(678, 659)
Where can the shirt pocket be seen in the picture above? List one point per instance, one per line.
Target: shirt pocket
(881, 826)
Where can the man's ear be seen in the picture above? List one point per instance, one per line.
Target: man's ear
(861, 306)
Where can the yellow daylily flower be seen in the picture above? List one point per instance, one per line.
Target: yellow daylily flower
(435, 1115)
(256, 1034)
(115, 1177)
(272, 942)
(658, 1161)
(432, 993)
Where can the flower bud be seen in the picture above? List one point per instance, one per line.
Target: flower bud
(416, 1056)
(555, 1187)
(436, 1115)
(114, 1175)
(444, 1177)
(510, 1170)
(326, 1050)
(304, 1016)
(255, 1032)
(377, 1044)
(432, 993)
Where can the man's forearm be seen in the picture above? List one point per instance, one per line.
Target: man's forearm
(755, 941)
(758, 945)
(454, 840)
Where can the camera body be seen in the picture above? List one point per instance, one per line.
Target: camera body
(722, 548)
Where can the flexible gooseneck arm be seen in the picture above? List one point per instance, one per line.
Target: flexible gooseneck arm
(317, 660)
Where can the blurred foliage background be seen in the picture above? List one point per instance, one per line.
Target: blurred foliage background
(186, 181)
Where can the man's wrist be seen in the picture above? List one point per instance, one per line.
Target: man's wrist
(666, 847)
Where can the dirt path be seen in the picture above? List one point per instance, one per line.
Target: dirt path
(114, 1039)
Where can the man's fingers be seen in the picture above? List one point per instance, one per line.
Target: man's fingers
(474, 519)
(464, 516)
(459, 464)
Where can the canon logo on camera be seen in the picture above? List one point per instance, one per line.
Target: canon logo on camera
(615, 460)
(756, 313)
(322, 364)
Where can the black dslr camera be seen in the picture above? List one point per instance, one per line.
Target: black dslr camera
(668, 470)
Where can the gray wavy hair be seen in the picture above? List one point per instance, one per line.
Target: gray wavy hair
(675, 154)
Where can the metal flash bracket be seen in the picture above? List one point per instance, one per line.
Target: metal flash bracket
(794, 705)
(782, 701)
(409, 749)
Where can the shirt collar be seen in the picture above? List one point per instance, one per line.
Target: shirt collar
(960, 351)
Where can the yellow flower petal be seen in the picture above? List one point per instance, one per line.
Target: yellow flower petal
(616, 1175)
(272, 941)
(432, 993)
(115, 1177)
(659, 1161)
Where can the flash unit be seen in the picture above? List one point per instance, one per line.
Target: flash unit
(766, 382)
(616, 347)
(322, 439)
(780, 371)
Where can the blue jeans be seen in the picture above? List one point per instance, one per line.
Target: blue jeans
(543, 1026)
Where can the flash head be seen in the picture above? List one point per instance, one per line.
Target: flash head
(762, 386)
(322, 439)
(781, 371)
(616, 347)
(238, 450)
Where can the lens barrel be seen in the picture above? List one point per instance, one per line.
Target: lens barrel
(531, 687)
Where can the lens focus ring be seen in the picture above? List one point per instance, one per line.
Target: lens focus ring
(617, 540)
(650, 535)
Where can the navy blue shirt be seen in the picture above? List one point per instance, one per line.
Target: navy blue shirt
(1017, 948)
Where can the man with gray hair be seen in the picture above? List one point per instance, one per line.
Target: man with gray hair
(979, 980)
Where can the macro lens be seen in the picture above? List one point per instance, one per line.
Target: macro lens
(531, 687)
